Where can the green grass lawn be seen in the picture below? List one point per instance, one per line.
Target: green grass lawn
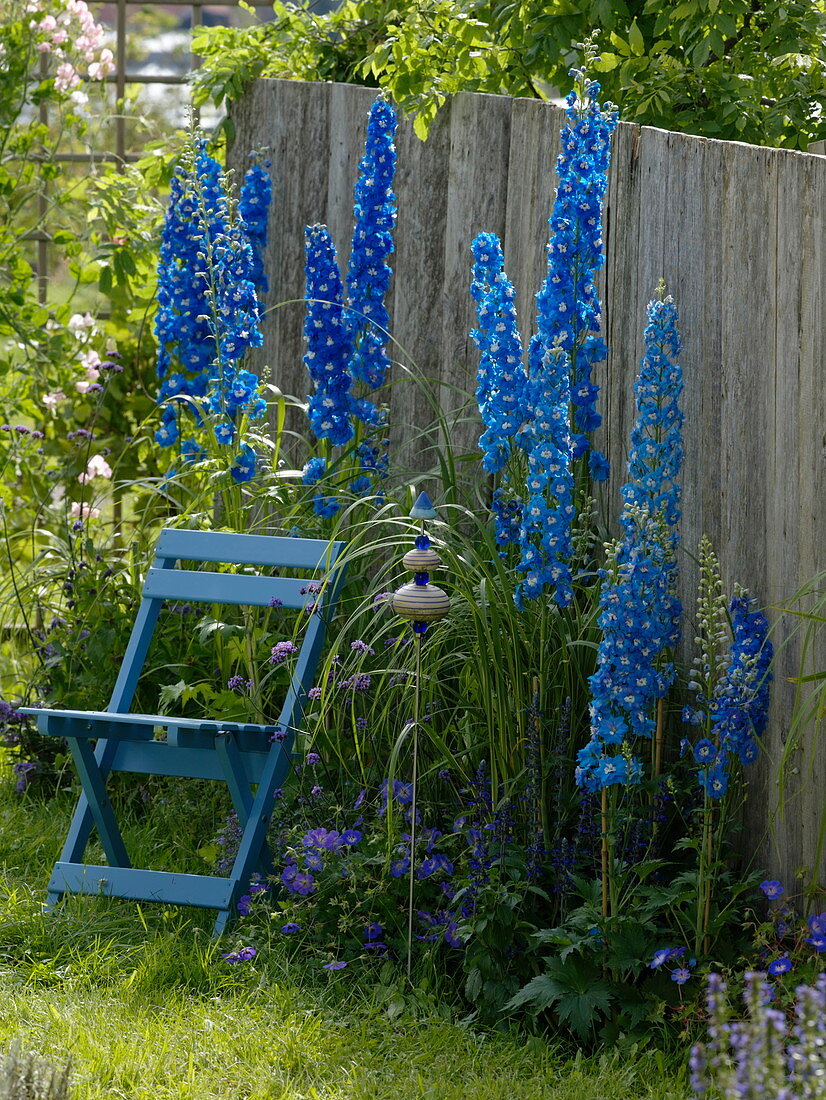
(141, 1001)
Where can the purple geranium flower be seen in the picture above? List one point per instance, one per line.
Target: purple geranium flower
(781, 965)
(772, 888)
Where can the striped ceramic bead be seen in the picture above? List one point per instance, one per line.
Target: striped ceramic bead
(424, 603)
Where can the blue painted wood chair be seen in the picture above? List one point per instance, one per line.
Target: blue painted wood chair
(253, 760)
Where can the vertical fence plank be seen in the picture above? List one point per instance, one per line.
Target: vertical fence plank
(421, 185)
(811, 451)
(532, 183)
(748, 304)
(622, 317)
(476, 202)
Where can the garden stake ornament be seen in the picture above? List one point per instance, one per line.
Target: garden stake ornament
(422, 603)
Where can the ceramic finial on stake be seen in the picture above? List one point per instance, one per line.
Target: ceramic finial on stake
(422, 603)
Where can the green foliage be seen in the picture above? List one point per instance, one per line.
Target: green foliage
(727, 69)
(142, 1000)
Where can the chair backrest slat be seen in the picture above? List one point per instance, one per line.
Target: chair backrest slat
(311, 555)
(197, 586)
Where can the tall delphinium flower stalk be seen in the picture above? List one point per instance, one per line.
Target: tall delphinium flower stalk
(346, 336)
(538, 417)
(639, 610)
(208, 317)
(368, 272)
(731, 678)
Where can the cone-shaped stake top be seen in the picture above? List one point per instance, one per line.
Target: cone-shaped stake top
(423, 508)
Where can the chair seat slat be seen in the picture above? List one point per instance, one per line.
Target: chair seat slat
(163, 720)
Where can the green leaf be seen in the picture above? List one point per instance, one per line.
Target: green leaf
(635, 39)
(540, 993)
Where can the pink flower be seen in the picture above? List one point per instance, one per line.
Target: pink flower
(52, 400)
(66, 77)
(96, 467)
(80, 323)
(84, 511)
(104, 65)
(91, 362)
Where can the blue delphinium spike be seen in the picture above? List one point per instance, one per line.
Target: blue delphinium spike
(205, 326)
(568, 307)
(329, 346)
(639, 611)
(501, 381)
(368, 272)
(254, 208)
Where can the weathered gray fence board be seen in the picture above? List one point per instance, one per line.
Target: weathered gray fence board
(811, 456)
(736, 231)
(534, 146)
(476, 201)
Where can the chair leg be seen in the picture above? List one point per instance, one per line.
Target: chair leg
(94, 784)
(53, 899)
(82, 820)
(222, 922)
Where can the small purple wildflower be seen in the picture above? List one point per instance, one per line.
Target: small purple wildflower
(313, 758)
(340, 965)
(243, 954)
(350, 836)
(772, 888)
(328, 839)
(660, 956)
(303, 884)
(290, 927)
(281, 651)
(680, 975)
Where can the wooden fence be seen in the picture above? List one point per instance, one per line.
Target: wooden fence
(739, 235)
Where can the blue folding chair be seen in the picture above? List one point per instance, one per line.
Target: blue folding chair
(253, 760)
